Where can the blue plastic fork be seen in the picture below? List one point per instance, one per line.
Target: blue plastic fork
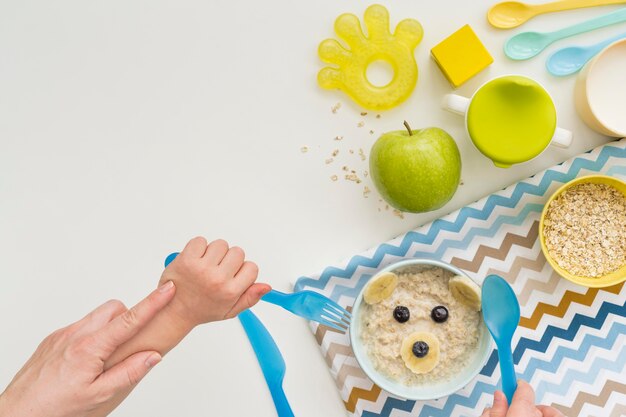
(312, 306)
(308, 304)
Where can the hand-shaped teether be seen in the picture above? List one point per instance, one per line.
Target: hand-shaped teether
(351, 63)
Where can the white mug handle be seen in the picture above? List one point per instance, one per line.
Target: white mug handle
(455, 104)
(562, 138)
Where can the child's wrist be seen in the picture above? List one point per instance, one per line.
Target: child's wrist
(179, 318)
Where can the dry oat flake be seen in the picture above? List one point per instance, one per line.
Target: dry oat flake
(585, 230)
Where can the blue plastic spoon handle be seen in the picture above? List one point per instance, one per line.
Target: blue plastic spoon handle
(591, 24)
(559, 65)
(509, 380)
(601, 45)
(170, 258)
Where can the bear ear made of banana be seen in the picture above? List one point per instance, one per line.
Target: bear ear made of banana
(380, 288)
(466, 291)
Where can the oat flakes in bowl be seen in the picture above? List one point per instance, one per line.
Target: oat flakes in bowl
(583, 231)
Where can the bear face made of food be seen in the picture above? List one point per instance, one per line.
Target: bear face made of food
(420, 326)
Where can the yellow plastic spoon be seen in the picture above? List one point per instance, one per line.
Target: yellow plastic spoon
(510, 14)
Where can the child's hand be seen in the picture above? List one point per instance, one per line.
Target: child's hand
(213, 282)
(523, 405)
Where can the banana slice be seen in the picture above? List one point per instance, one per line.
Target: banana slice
(466, 291)
(420, 352)
(380, 288)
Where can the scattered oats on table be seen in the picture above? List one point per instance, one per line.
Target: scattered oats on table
(353, 177)
(362, 154)
(366, 191)
(334, 178)
(371, 132)
(304, 149)
(360, 124)
(363, 113)
(378, 116)
(335, 108)
(398, 213)
(351, 151)
(585, 230)
(335, 152)
(329, 161)
(338, 137)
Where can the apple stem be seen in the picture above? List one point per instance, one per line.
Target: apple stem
(406, 124)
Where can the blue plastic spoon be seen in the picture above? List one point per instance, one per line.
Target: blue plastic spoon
(570, 60)
(526, 45)
(501, 314)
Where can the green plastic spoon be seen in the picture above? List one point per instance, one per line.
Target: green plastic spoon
(526, 45)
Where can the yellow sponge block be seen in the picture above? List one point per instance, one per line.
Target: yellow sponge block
(461, 56)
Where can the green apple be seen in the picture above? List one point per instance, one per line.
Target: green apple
(416, 170)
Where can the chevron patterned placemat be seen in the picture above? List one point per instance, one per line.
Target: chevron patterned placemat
(571, 344)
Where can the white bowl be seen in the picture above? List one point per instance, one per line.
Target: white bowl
(432, 390)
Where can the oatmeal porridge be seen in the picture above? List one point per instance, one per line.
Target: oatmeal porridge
(424, 328)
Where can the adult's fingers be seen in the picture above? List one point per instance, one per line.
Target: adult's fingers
(99, 317)
(126, 325)
(549, 411)
(216, 251)
(523, 403)
(233, 260)
(124, 376)
(248, 299)
(486, 412)
(196, 247)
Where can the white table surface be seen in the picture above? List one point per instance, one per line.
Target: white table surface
(128, 127)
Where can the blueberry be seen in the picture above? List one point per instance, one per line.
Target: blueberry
(420, 349)
(439, 314)
(401, 314)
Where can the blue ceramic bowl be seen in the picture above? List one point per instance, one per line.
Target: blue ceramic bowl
(433, 390)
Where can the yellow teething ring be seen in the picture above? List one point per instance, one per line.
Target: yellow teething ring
(350, 64)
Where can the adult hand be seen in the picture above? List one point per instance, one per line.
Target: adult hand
(66, 376)
(522, 405)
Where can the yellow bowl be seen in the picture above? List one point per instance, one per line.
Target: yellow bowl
(613, 278)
